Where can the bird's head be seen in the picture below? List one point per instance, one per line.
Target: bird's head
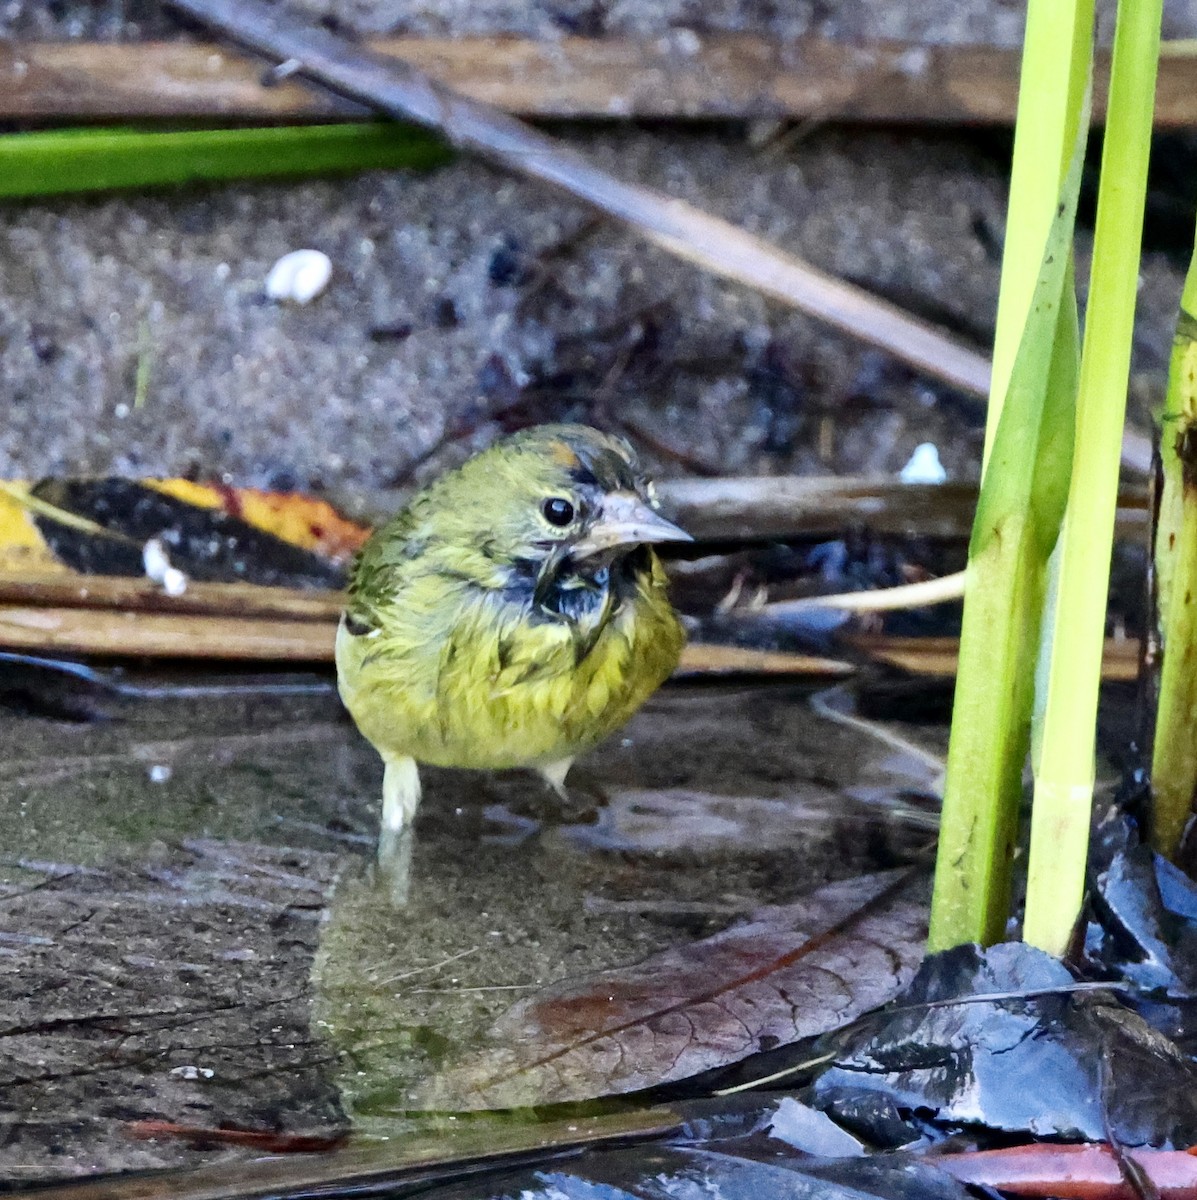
(554, 498)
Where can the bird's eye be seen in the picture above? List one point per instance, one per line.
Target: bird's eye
(557, 511)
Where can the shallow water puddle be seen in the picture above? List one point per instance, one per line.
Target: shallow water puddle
(190, 929)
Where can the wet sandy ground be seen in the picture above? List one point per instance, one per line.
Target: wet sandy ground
(190, 929)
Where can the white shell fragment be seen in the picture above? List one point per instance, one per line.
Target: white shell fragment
(299, 277)
(924, 466)
(191, 1072)
(156, 564)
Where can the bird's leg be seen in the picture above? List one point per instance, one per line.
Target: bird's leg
(554, 774)
(400, 792)
(400, 798)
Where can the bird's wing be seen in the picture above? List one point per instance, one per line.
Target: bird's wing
(376, 574)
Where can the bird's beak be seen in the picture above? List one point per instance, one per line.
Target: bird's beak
(624, 519)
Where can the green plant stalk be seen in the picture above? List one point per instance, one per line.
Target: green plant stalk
(988, 745)
(1017, 522)
(1068, 363)
(1174, 754)
(1050, 96)
(1180, 412)
(89, 160)
(1064, 783)
(1028, 452)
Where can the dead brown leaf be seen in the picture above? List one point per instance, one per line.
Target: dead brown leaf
(792, 971)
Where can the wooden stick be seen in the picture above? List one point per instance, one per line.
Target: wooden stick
(224, 638)
(164, 635)
(68, 589)
(401, 91)
(708, 658)
(229, 639)
(721, 76)
(735, 508)
(937, 656)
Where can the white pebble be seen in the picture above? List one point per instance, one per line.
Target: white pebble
(193, 1072)
(156, 563)
(299, 276)
(159, 773)
(174, 582)
(924, 466)
(154, 559)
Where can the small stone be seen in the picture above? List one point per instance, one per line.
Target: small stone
(299, 277)
(924, 466)
(191, 1072)
(157, 565)
(174, 582)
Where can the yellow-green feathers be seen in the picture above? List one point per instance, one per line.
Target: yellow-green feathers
(507, 617)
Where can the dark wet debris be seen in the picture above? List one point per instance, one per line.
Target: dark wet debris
(1044, 1060)
(732, 1172)
(1143, 926)
(984, 1048)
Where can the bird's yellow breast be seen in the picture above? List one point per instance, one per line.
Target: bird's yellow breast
(458, 678)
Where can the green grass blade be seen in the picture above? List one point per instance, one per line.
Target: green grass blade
(91, 160)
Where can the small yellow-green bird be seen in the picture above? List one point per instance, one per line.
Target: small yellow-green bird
(512, 615)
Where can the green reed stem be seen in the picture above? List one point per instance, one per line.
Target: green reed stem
(1028, 455)
(1174, 755)
(89, 160)
(1056, 60)
(1064, 782)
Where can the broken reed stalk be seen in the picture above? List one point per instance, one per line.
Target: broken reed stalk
(165, 635)
(1064, 772)
(1174, 753)
(728, 76)
(737, 508)
(402, 92)
(936, 657)
(1029, 441)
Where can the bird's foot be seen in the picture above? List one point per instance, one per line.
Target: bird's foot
(393, 869)
(574, 803)
(554, 802)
